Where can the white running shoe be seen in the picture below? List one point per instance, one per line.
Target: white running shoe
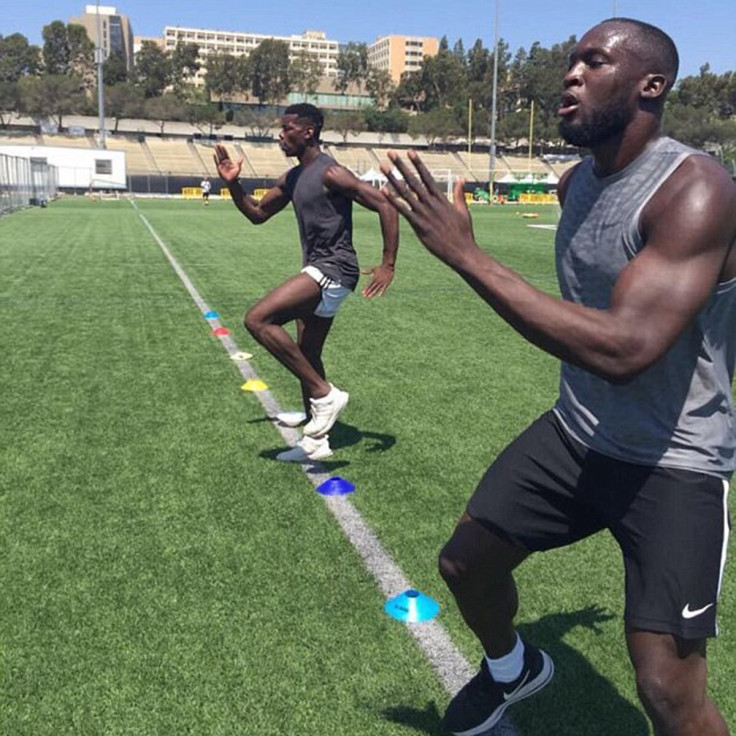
(306, 450)
(325, 412)
(291, 418)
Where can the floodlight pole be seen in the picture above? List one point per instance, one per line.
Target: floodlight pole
(99, 53)
(470, 128)
(531, 135)
(492, 163)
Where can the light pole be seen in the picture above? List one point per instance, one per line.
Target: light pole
(492, 163)
(100, 53)
(531, 135)
(470, 128)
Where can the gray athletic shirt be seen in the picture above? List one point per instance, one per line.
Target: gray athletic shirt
(679, 412)
(325, 221)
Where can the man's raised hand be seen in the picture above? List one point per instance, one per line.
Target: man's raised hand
(445, 228)
(228, 170)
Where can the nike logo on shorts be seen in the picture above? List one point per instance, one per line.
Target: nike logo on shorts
(687, 613)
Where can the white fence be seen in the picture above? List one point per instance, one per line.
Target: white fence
(24, 182)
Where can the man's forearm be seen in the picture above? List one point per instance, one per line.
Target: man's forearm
(390, 232)
(245, 203)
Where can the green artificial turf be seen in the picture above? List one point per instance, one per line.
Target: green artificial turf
(161, 574)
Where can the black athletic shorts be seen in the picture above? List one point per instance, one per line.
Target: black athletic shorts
(547, 490)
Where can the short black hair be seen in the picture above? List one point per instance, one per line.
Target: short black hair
(657, 45)
(308, 113)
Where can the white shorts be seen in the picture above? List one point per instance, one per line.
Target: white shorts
(333, 294)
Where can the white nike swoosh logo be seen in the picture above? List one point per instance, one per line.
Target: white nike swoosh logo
(506, 695)
(687, 613)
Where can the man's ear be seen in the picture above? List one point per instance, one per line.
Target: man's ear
(653, 86)
(309, 132)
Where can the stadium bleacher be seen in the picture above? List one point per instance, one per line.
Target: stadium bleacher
(136, 160)
(266, 159)
(524, 164)
(358, 160)
(65, 141)
(21, 140)
(441, 163)
(184, 153)
(173, 156)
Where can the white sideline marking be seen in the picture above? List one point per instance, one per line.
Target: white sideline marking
(451, 667)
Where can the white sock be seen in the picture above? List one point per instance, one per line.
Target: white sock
(508, 667)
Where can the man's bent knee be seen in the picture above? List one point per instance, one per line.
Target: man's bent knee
(672, 687)
(474, 552)
(253, 322)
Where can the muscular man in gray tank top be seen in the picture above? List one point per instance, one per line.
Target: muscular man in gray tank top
(322, 193)
(641, 440)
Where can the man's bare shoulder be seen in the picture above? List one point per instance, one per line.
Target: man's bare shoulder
(564, 182)
(700, 186)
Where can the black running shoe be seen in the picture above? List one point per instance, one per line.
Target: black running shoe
(481, 703)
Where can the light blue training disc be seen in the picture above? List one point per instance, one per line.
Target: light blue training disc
(412, 606)
(335, 487)
(211, 315)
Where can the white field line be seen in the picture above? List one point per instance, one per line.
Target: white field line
(451, 667)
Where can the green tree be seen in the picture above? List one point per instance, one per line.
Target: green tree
(305, 72)
(480, 77)
(349, 122)
(183, 65)
(123, 100)
(203, 114)
(379, 86)
(152, 70)
(409, 93)
(269, 70)
(716, 94)
(443, 80)
(163, 108)
(115, 69)
(227, 76)
(17, 58)
(10, 101)
(352, 66)
(258, 122)
(391, 120)
(436, 125)
(541, 81)
(68, 50)
(53, 96)
(458, 51)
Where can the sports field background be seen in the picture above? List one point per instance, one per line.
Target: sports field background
(162, 574)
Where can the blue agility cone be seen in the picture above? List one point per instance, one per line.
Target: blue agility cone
(412, 606)
(335, 487)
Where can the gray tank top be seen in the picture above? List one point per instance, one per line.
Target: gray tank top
(679, 412)
(325, 221)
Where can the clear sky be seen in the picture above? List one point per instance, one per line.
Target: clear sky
(704, 30)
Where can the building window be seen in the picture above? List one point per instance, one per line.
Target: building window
(103, 166)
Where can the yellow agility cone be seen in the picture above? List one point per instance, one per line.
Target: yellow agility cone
(255, 384)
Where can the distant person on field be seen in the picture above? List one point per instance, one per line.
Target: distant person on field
(322, 193)
(206, 186)
(641, 440)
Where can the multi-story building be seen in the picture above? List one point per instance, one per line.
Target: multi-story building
(399, 54)
(241, 44)
(115, 33)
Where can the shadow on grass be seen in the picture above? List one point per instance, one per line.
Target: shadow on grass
(342, 435)
(580, 700)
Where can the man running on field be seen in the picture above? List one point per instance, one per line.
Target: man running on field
(641, 440)
(322, 193)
